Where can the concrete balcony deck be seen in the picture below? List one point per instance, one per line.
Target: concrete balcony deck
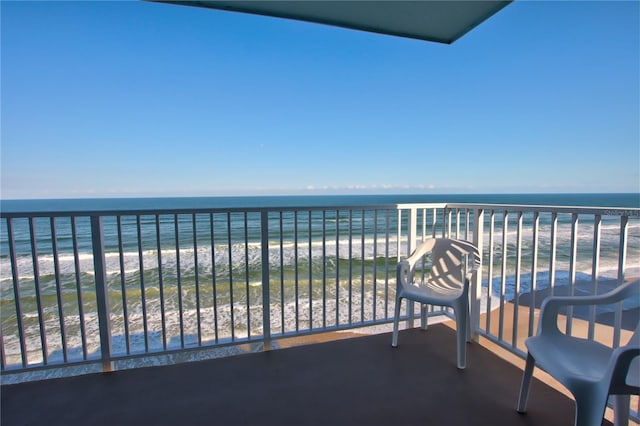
(353, 381)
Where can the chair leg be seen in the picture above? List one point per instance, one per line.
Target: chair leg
(620, 409)
(461, 337)
(396, 321)
(526, 384)
(424, 318)
(590, 408)
(468, 324)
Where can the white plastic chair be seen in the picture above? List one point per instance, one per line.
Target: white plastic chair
(444, 285)
(589, 370)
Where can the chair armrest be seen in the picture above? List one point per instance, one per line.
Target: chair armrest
(406, 267)
(403, 270)
(550, 307)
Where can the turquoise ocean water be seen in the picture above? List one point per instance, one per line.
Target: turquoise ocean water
(599, 200)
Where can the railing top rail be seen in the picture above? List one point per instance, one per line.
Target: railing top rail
(613, 211)
(199, 210)
(421, 205)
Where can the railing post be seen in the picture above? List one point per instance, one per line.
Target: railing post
(411, 230)
(573, 260)
(476, 285)
(552, 251)
(102, 294)
(411, 243)
(622, 259)
(266, 300)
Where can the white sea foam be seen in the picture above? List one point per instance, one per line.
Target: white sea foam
(241, 256)
(181, 330)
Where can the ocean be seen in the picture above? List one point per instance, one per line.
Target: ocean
(329, 264)
(232, 229)
(599, 200)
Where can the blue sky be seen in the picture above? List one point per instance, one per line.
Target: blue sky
(119, 99)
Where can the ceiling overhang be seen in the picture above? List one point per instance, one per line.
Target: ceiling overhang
(431, 20)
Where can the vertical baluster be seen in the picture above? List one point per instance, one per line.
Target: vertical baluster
(76, 264)
(434, 221)
(622, 257)
(197, 276)
(176, 227)
(213, 277)
(163, 320)
(362, 259)
(476, 289)
(490, 270)
(457, 223)
(3, 359)
(337, 268)
(123, 287)
(595, 271)
(350, 264)
(282, 295)
(324, 268)
(387, 228)
(143, 296)
(516, 299)
(375, 263)
(266, 294)
(295, 256)
(399, 238)
(56, 267)
(573, 259)
(310, 240)
(552, 252)
(36, 279)
(246, 272)
(503, 274)
(410, 246)
(16, 293)
(230, 250)
(466, 224)
(534, 270)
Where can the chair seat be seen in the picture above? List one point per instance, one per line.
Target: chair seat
(431, 291)
(557, 356)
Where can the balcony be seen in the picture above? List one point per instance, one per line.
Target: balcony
(84, 292)
(359, 380)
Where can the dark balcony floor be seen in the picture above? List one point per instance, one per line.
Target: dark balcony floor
(355, 381)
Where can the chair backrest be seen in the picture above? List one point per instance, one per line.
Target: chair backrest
(451, 261)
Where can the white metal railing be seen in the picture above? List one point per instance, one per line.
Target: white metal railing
(87, 287)
(81, 288)
(532, 251)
